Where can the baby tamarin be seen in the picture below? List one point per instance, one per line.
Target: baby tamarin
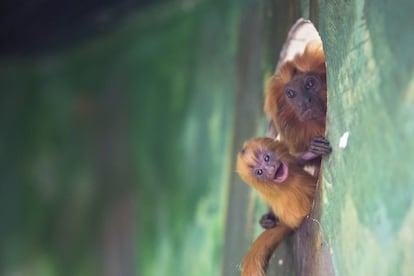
(295, 103)
(267, 166)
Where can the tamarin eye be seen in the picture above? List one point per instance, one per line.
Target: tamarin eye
(259, 172)
(267, 158)
(310, 82)
(290, 93)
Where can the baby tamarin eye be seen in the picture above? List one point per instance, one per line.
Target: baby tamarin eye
(267, 158)
(259, 172)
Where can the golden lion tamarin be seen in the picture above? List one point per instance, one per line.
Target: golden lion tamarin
(295, 103)
(267, 166)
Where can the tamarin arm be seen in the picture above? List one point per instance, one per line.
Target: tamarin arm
(269, 220)
(319, 146)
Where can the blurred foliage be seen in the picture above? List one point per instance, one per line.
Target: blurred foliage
(123, 137)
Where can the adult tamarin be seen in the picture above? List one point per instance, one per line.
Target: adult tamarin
(295, 103)
(267, 166)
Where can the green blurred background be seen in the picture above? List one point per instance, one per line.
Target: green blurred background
(115, 137)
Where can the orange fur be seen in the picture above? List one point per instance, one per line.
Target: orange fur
(295, 133)
(291, 200)
(257, 258)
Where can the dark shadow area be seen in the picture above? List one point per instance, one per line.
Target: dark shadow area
(30, 27)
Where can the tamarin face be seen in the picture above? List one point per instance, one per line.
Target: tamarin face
(305, 92)
(261, 161)
(268, 167)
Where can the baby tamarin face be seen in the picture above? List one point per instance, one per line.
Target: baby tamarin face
(268, 167)
(262, 160)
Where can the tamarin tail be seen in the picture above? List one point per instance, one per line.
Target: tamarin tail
(257, 258)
